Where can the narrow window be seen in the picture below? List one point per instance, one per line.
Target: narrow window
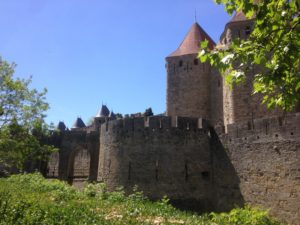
(180, 63)
(248, 30)
(196, 61)
(205, 175)
(109, 164)
(239, 33)
(156, 170)
(186, 171)
(219, 83)
(129, 171)
(267, 127)
(249, 125)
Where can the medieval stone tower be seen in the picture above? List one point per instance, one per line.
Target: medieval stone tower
(239, 102)
(188, 80)
(217, 148)
(191, 89)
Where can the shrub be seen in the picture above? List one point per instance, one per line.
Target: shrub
(31, 199)
(95, 190)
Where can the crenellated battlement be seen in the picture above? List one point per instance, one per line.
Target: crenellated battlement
(240, 153)
(155, 123)
(161, 154)
(273, 128)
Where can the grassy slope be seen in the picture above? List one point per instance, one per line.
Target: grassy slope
(30, 199)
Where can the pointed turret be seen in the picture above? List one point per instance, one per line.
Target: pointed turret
(103, 112)
(78, 123)
(188, 80)
(239, 16)
(112, 116)
(61, 126)
(238, 27)
(191, 42)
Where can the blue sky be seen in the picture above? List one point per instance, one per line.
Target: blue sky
(86, 52)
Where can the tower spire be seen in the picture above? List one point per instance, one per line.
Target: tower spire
(196, 16)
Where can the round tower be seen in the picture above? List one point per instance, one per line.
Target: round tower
(239, 102)
(188, 80)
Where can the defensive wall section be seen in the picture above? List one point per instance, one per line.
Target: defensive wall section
(264, 154)
(160, 157)
(197, 166)
(77, 158)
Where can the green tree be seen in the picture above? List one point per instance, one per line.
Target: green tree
(23, 131)
(273, 46)
(119, 115)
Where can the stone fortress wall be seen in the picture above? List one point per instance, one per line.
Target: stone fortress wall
(77, 159)
(194, 164)
(265, 156)
(161, 158)
(215, 148)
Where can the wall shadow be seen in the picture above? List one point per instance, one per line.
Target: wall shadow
(226, 181)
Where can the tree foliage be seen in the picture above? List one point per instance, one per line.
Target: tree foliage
(22, 128)
(273, 46)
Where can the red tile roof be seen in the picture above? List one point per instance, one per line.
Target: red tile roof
(191, 42)
(239, 16)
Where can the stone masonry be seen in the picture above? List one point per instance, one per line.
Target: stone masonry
(216, 148)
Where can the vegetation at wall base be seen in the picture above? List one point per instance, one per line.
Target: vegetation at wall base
(31, 199)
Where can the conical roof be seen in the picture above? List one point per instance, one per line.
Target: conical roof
(61, 126)
(112, 115)
(239, 16)
(78, 123)
(103, 112)
(191, 42)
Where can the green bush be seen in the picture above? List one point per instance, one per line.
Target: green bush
(95, 190)
(243, 216)
(31, 199)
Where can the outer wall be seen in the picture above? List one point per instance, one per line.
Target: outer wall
(161, 161)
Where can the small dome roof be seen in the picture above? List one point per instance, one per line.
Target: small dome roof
(103, 112)
(78, 123)
(61, 126)
(191, 42)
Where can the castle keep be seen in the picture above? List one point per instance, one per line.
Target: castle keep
(214, 149)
